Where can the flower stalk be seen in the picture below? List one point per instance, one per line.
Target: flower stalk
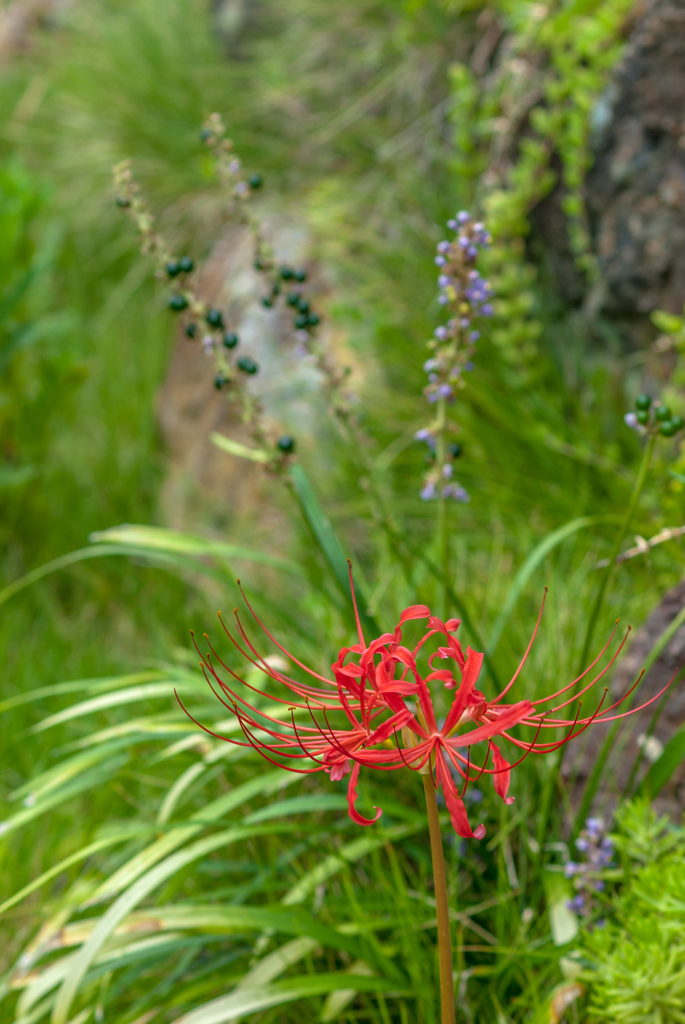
(441, 904)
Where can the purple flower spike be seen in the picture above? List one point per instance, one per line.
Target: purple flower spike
(469, 366)
(460, 494)
(570, 869)
(430, 365)
(447, 470)
(582, 844)
(465, 322)
(463, 242)
(445, 391)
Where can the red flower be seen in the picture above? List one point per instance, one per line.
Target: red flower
(391, 719)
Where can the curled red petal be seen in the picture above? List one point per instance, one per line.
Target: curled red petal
(352, 799)
(502, 774)
(415, 611)
(455, 804)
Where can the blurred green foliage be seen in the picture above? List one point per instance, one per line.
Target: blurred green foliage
(371, 126)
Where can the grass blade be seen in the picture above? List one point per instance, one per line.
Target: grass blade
(328, 542)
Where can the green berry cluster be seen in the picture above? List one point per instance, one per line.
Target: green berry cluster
(657, 417)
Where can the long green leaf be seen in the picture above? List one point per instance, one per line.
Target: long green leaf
(76, 686)
(124, 834)
(328, 542)
(663, 768)
(299, 805)
(132, 896)
(244, 1000)
(260, 785)
(534, 559)
(131, 695)
(156, 538)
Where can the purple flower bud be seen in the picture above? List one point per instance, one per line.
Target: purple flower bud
(440, 261)
(469, 366)
(444, 280)
(463, 242)
(465, 322)
(443, 300)
(600, 923)
(242, 187)
(472, 252)
(234, 166)
(443, 247)
(577, 903)
(473, 275)
(430, 364)
(474, 336)
(478, 226)
(593, 827)
(432, 396)
(433, 378)
(600, 885)
(630, 420)
(487, 310)
(447, 470)
(427, 492)
(302, 337)
(440, 333)
(570, 869)
(445, 391)
(208, 344)
(423, 434)
(463, 217)
(452, 224)
(461, 495)
(582, 844)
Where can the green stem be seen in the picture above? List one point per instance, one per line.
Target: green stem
(598, 767)
(620, 537)
(441, 905)
(593, 781)
(443, 528)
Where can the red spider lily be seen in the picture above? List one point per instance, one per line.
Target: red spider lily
(391, 719)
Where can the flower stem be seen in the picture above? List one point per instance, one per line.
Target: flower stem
(620, 537)
(441, 904)
(443, 526)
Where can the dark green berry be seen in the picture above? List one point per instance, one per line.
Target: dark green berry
(173, 268)
(643, 402)
(247, 365)
(668, 428)
(314, 319)
(642, 417)
(301, 321)
(122, 201)
(455, 450)
(177, 303)
(293, 298)
(300, 275)
(287, 273)
(220, 381)
(303, 305)
(206, 134)
(678, 422)
(276, 289)
(185, 264)
(286, 444)
(256, 181)
(214, 318)
(191, 330)
(662, 413)
(259, 264)
(230, 339)
(267, 301)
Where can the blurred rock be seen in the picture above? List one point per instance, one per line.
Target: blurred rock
(635, 190)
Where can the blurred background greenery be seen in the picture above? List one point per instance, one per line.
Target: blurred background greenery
(371, 121)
